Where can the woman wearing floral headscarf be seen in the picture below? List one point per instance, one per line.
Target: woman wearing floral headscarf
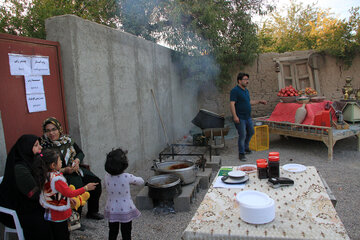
(72, 157)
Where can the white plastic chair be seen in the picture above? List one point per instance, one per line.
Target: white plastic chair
(18, 229)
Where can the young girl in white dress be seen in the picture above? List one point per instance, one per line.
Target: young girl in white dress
(119, 208)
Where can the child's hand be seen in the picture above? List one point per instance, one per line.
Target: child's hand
(90, 186)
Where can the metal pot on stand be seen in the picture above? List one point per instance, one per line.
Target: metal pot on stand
(185, 170)
(164, 187)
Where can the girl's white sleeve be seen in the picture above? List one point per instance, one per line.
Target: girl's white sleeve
(135, 180)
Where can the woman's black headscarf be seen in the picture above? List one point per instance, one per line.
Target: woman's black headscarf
(21, 153)
(30, 212)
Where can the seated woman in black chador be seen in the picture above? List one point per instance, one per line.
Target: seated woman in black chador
(19, 190)
(72, 157)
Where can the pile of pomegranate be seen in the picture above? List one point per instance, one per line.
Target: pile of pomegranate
(288, 91)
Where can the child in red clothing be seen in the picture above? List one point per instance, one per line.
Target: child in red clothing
(55, 195)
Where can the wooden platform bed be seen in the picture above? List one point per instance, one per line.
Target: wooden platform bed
(327, 135)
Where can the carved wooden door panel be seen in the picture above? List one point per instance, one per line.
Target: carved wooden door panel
(296, 71)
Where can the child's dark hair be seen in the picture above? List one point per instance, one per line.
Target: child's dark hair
(41, 165)
(116, 162)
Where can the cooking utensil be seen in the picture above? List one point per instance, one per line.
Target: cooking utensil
(164, 187)
(206, 119)
(280, 182)
(161, 120)
(185, 170)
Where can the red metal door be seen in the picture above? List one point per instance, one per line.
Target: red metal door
(15, 116)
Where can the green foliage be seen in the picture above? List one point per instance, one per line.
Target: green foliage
(309, 27)
(221, 30)
(217, 34)
(27, 18)
(136, 17)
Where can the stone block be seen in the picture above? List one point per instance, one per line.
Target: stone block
(205, 177)
(215, 163)
(142, 200)
(183, 201)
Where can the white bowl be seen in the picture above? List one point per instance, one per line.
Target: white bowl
(256, 207)
(236, 174)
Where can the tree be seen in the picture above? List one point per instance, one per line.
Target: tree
(27, 18)
(309, 27)
(219, 30)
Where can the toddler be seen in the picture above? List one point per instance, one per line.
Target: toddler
(119, 206)
(55, 192)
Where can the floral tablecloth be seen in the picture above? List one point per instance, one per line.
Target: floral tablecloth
(302, 211)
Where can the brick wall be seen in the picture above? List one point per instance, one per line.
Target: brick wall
(263, 83)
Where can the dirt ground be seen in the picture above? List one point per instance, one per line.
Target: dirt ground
(341, 174)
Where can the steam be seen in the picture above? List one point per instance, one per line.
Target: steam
(148, 19)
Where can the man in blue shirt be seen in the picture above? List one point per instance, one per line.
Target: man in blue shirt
(240, 106)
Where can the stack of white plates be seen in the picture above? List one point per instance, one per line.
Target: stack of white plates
(256, 207)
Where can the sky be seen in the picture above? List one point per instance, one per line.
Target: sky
(338, 7)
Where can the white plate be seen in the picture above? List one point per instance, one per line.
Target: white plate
(230, 180)
(241, 168)
(255, 207)
(251, 198)
(294, 167)
(236, 174)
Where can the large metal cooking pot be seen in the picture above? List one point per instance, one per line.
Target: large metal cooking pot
(185, 170)
(164, 187)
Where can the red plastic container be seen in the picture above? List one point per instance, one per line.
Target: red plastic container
(274, 154)
(261, 161)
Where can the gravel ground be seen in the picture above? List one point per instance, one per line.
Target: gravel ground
(341, 174)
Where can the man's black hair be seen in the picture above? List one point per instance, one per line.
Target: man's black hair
(241, 75)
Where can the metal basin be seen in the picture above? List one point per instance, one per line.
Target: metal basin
(164, 187)
(185, 170)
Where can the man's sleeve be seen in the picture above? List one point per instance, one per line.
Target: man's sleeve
(233, 97)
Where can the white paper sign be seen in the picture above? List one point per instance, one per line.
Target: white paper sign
(36, 102)
(40, 65)
(34, 84)
(19, 64)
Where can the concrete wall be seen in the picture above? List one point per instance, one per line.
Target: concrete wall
(108, 77)
(264, 83)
